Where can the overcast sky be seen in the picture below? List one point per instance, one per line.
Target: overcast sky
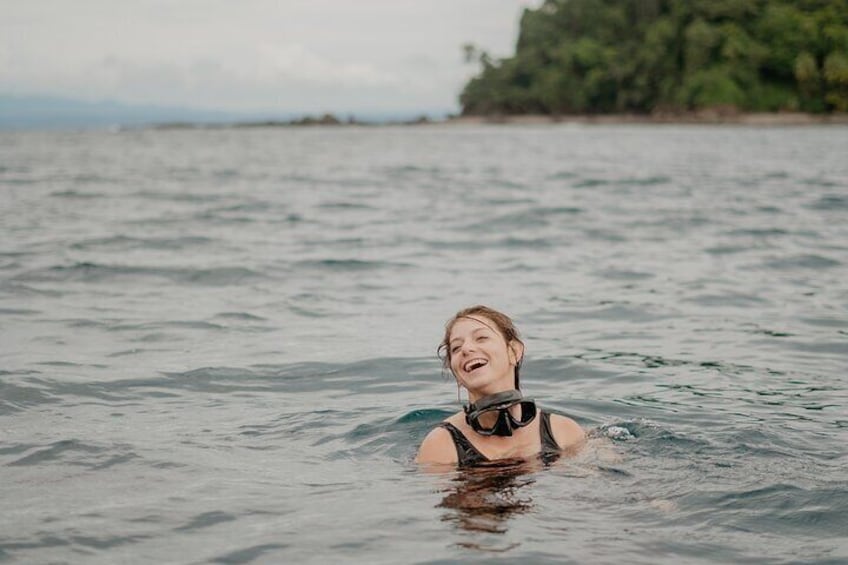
(257, 55)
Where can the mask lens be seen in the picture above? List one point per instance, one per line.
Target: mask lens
(481, 429)
(528, 413)
(499, 418)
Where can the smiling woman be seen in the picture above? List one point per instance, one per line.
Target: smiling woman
(483, 351)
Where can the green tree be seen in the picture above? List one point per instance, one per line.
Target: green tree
(836, 80)
(600, 56)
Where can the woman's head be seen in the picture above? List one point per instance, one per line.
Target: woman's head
(499, 324)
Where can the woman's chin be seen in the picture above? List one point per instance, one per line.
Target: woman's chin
(484, 385)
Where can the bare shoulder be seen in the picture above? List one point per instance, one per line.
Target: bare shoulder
(437, 447)
(567, 432)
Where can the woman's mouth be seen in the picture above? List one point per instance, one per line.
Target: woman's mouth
(474, 364)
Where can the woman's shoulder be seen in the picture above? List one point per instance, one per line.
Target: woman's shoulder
(566, 431)
(438, 446)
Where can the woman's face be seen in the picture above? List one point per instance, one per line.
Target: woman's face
(480, 357)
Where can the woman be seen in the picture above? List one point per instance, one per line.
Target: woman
(482, 349)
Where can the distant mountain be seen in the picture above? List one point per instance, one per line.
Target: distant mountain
(49, 112)
(53, 112)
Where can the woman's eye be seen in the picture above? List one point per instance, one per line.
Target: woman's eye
(455, 349)
(482, 338)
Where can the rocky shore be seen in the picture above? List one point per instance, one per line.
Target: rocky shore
(700, 117)
(715, 116)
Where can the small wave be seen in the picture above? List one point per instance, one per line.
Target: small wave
(427, 416)
(624, 275)
(251, 207)
(729, 300)
(634, 181)
(480, 243)
(18, 396)
(646, 181)
(630, 358)
(338, 243)
(206, 520)
(18, 312)
(592, 183)
(240, 316)
(785, 508)
(412, 169)
(176, 196)
(602, 234)
(252, 553)
(20, 181)
(617, 312)
(135, 351)
(347, 264)
(123, 243)
(521, 243)
(532, 217)
(95, 272)
(818, 181)
(221, 217)
(771, 333)
(726, 249)
(806, 261)
(106, 542)
(77, 195)
(225, 174)
(830, 202)
(758, 232)
(290, 219)
(69, 364)
(75, 452)
(826, 322)
(342, 205)
(165, 324)
(562, 175)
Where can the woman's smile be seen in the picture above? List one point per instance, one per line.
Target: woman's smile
(475, 364)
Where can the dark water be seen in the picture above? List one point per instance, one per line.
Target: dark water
(219, 346)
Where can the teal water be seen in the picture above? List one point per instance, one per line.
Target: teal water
(218, 346)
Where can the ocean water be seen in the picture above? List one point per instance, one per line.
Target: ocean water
(219, 346)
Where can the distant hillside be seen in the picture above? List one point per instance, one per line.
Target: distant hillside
(38, 112)
(667, 56)
(51, 112)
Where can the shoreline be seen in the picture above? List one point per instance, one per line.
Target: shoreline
(694, 118)
(704, 117)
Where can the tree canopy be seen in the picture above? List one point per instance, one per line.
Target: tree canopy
(648, 56)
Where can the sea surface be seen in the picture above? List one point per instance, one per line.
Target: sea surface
(219, 345)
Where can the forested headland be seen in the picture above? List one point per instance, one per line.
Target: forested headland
(668, 56)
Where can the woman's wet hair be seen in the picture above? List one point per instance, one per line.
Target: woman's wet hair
(503, 325)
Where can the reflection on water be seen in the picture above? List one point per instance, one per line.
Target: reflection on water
(484, 498)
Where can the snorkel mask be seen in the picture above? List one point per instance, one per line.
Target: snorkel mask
(500, 403)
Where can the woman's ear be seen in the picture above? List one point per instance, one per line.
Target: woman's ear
(516, 350)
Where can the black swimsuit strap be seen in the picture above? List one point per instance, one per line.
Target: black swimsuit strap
(549, 443)
(467, 454)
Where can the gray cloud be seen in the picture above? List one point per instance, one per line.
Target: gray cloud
(295, 55)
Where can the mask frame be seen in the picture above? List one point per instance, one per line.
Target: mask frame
(500, 402)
